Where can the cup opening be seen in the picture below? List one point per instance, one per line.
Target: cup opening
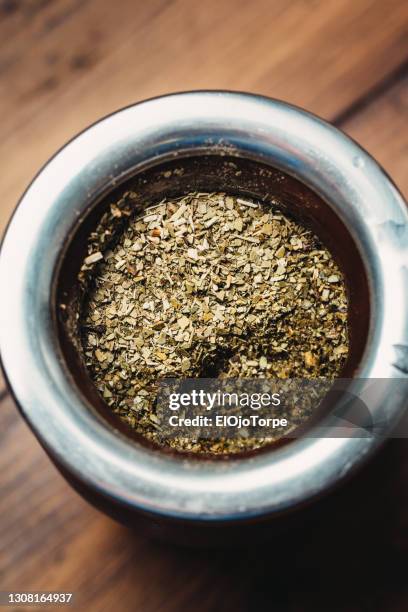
(208, 173)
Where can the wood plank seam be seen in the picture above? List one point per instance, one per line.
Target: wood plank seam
(380, 89)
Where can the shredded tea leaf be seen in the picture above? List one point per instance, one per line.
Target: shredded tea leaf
(207, 285)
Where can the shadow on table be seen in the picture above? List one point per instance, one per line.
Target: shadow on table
(349, 553)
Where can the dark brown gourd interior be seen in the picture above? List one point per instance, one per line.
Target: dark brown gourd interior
(209, 173)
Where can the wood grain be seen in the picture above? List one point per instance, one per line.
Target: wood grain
(63, 64)
(382, 130)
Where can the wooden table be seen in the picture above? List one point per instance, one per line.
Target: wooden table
(64, 64)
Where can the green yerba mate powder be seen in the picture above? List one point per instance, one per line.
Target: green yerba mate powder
(206, 285)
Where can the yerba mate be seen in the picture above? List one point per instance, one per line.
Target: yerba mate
(206, 285)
